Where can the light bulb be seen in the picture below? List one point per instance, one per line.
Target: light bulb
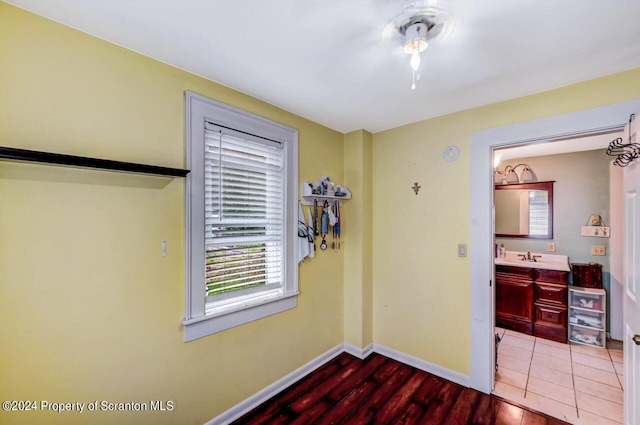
(415, 60)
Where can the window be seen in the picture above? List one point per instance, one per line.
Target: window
(240, 217)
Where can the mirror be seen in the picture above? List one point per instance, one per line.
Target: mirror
(524, 210)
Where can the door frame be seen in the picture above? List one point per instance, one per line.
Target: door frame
(483, 143)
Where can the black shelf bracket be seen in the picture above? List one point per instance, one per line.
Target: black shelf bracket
(13, 154)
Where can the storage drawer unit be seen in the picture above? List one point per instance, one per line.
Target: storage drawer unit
(587, 316)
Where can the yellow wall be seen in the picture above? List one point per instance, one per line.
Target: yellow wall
(420, 287)
(358, 286)
(89, 309)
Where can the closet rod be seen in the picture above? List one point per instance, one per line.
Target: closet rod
(14, 154)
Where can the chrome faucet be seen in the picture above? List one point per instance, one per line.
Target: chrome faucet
(529, 257)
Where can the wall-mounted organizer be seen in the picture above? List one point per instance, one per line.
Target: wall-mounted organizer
(322, 190)
(24, 155)
(323, 219)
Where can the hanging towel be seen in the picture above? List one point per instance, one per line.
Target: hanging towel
(303, 242)
(311, 236)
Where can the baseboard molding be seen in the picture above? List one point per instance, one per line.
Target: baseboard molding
(424, 365)
(273, 389)
(290, 379)
(360, 353)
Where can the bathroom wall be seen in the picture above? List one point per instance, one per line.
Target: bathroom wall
(581, 188)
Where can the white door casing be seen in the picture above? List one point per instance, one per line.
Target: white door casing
(631, 276)
(610, 117)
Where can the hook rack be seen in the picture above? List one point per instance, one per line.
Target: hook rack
(626, 152)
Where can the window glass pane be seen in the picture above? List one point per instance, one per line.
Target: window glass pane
(244, 214)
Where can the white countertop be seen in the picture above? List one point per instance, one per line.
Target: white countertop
(545, 261)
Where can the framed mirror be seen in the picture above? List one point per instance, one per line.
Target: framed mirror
(524, 210)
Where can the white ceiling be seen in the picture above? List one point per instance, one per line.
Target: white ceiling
(556, 147)
(326, 60)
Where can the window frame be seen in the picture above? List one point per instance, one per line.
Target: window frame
(197, 324)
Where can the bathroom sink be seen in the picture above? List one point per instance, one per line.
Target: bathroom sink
(544, 261)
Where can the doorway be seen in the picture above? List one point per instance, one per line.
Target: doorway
(538, 368)
(602, 119)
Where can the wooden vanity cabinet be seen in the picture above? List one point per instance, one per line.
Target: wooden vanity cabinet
(550, 304)
(532, 301)
(514, 298)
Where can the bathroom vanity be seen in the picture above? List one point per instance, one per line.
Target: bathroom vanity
(532, 296)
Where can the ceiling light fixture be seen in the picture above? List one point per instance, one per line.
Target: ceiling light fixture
(415, 42)
(417, 25)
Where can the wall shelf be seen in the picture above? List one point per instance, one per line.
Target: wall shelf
(13, 154)
(308, 199)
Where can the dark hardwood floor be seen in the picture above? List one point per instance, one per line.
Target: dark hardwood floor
(379, 390)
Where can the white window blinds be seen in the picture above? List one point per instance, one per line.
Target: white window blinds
(244, 215)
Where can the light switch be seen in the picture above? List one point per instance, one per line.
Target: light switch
(164, 248)
(462, 250)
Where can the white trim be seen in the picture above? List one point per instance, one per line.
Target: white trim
(273, 389)
(361, 353)
(196, 322)
(202, 326)
(482, 145)
(263, 395)
(424, 365)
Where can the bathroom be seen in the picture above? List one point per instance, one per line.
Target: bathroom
(585, 184)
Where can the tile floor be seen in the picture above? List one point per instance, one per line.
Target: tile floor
(573, 382)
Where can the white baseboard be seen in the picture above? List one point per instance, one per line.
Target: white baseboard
(424, 365)
(290, 379)
(273, 389)
(360, 353)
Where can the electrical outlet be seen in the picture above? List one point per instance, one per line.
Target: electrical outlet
(598, 250)
(551, 247)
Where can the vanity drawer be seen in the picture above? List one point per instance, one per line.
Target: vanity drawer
(514, 272)
(550, 315)
(551, 276)
(550, 293)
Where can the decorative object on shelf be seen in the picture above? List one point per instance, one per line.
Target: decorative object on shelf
(416, 26)
(451, 153)
(626, 152)
(595, 227)
(13, 154)
(509, 175)
(323, 189)
(587, 275)
(416, 187)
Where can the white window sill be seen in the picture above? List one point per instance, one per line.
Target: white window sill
(202, 326)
